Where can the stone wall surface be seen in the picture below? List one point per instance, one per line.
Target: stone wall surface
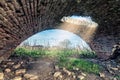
(19, 19)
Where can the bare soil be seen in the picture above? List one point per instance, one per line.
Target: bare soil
(44, 69)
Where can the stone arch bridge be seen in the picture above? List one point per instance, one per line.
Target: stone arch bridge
(19, 19)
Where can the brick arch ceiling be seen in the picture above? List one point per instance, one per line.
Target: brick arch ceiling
(20, 19)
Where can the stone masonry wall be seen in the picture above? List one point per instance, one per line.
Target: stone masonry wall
(20, 19)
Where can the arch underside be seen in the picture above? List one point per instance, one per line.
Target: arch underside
(19, 19)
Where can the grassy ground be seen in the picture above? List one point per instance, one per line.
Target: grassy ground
(65, 58)
(81, 64)
(54, 53)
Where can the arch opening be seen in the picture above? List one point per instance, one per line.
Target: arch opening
(55, 38)
(20, 19)
(83, 26)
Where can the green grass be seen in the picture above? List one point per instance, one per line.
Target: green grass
(65, 58)
(87, 54)
(54, 53)
(42, 52)
(30, 53)
(82, 64)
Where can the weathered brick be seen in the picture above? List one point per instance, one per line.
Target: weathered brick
(22, 18)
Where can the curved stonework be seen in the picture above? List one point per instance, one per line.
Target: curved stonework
(20, 19)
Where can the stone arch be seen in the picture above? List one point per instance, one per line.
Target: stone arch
(20, 19)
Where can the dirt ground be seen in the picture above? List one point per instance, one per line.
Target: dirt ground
(26, 68)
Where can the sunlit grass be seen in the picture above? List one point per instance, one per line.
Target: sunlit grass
(30, 53)
(65, 58)
(43, 52)
(84, 65)
(54, 53)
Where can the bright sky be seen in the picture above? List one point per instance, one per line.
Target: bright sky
(54, 36)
